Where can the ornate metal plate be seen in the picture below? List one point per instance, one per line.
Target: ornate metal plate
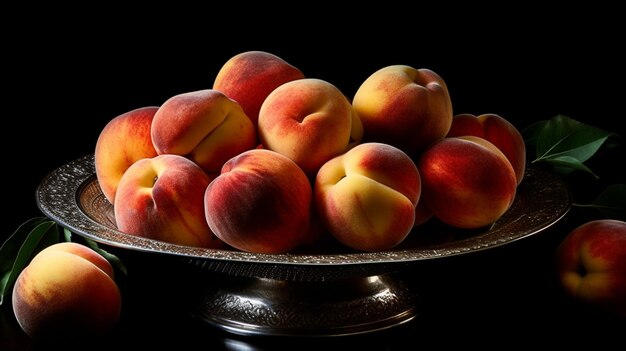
(71, 196)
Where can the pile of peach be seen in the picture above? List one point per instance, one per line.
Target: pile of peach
(268, 160)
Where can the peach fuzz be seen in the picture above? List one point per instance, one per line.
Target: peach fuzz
(366, 197)
(67, 290)
(124, 140)
(161, 198)
(497, 130)
(310, 121)
(205, 126)
(249, 77)
(467, 182)
(261, 203)
(405, 107)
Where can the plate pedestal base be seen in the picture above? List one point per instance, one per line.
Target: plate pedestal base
(261, 306)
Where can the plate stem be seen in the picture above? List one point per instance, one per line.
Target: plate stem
(261, 306)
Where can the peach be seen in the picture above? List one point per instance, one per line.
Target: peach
(249, 77)
(310, 121)
(405, 107)
(500, 132)
(67, 290)
(161, 198)
(591, 265)
(124, 140)
(261, 203)
(203, 125)
(467, 182)
(367, 196)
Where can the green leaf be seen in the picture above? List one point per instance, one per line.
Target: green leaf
(9, 249)
(567, 164)
(563, 136)
(611, 202)
(67, 234)
(50, 237)
(42, 235)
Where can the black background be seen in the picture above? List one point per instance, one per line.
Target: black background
(67, 76)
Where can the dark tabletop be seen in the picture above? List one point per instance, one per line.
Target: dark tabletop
(63, 89)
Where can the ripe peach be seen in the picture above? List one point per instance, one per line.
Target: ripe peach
(310, 121)
(405, 107)
(367, 196)
(161, 198)
(67, 289)
(500, 132)
(591, 264)
(205, 126)
(467, 182)
(124, 140)
(249, 77)
(261, 203)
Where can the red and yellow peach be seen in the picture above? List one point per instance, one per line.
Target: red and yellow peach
(249, 77)
(67, 290)
(261, 203)
(591, 265)
(124, 140)
(204, 126)
(467, 182)
(367, 196)
(310, 121)
(497, 130)
(161, 198)
(405, 107)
